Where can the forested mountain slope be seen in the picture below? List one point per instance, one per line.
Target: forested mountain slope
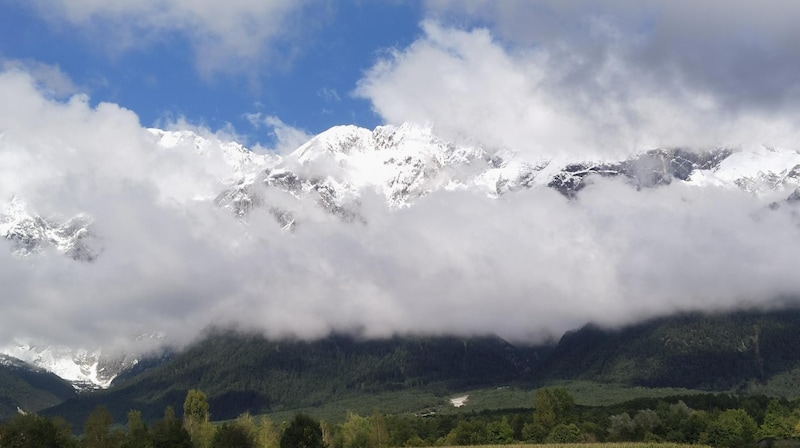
(739, 352)
(706, 351)
(29, 390)
(249, 373)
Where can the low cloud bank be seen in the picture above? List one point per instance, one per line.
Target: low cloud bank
(602, 79)
(525, 266)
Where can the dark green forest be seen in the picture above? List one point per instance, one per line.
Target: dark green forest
(743, 353)
(32, 390)
(719, 420)
(248, 373)
(719, 352)
(721, 362)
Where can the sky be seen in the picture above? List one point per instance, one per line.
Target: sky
(80, 80)
(179, 60)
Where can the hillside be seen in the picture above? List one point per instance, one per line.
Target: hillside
(249, 373)
(716, 352)
(394, 230)
(28, 389)
(740, 352)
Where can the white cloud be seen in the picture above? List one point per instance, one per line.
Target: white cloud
(329, 94)
(67, 157)
(456, 262)
(49, 78)
(557, 98)
(287, 138)
(228, 36)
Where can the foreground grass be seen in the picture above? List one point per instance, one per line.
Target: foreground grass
(588, 445)
(586, 393)
(590, 393)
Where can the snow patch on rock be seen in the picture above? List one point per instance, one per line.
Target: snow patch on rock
(85, 369)
(458, 402)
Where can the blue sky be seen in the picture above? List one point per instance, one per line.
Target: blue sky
(545, 82)
(542, 76)
(308, 84)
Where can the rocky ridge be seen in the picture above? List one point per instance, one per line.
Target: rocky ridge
(84, 369)
(401, 164)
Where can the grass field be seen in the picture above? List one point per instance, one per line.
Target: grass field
(588, 445)
(586, 393)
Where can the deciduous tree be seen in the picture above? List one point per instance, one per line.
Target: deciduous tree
(732, 428)
(33, 431)
(97, 430)
(303, 432)
(196, 418)
(563, 433)
(233, 435)
(138, 435)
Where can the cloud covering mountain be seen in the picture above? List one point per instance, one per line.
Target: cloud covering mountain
(525, 265)
(464, 237)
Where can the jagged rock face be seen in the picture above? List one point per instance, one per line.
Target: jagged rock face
(240, 199)
(405, 163)
(247, 196)
(648, 170)
(794, 198)
(30, 234)
(770, 180)
(757, 171)
(401, 164)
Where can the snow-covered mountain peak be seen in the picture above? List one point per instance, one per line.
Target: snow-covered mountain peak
(760, 170)
(336, 142)
(401, 162)
(15, 207)
(240, 160)
(30, 233)
(85, 369)
(330, 176)
(343, 144)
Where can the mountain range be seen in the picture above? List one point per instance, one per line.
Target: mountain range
(402, 164)
(747, 352)
(337, 170)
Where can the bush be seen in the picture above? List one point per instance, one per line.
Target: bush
(733, 428)
(565, 434)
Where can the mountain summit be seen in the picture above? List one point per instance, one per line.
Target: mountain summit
(401, 164)
(336, 176)
(405, 163)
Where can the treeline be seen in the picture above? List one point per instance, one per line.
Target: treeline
(748, 352)
(716, 420)
(194, 430)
